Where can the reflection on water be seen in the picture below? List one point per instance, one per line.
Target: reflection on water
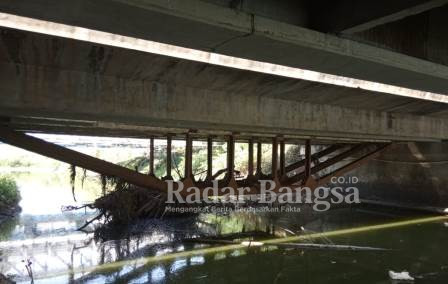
(157, 253)
(154, 251)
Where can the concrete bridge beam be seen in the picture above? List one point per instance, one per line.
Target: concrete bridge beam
(31, 91)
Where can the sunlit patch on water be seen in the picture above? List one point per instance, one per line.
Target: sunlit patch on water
(195, 260)
(178, 265)
(157, 274)
(155, 253)
(145, 278)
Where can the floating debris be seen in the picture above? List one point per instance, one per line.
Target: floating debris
(401, 276)
(286, 245)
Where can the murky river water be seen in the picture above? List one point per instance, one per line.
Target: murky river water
(157, 254)
(153, 251)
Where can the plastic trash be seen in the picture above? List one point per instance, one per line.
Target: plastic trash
(402, 276)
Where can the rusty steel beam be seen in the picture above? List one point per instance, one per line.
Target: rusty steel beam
(168, 158)
(209, 158)
(230, 156)
(274, 163)
(353, 165)
(282, 158)
(259, 172)
(148, 181)
(87, 162)
(188, 156)
(332, 161)
(328, 163)
(250, 166)
(307, 159)
(75, 158)
(151, 156)
(329, 150)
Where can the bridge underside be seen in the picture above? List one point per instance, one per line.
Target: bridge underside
(336, 37)
(60, 85)
(98, 80)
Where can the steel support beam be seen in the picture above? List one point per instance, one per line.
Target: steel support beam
(282, 158)
(231, 157)
(307, 159)
(188, 156)
(353, 165)
(274, 170)
(250, 160)
(327, 151)
(169, 158)
(75, 158)
(259, 171)
(209, 158)
(327, 163)
(151, 156)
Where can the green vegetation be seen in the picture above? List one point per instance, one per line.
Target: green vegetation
(7, 227)
(9, 192)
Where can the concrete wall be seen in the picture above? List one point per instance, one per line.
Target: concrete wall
(409, 173)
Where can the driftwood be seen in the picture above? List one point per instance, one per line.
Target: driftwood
(127, 203)
(307, 246)
(210, 241)
(91, 221)
(329, 247)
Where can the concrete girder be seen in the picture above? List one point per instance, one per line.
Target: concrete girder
(33, 91)
(28, 48)
(208, 27)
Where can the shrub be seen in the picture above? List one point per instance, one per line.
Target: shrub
(9, 191)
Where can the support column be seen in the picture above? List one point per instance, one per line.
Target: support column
(151, 156)
(250, 166)
(282, 158)
(168, 158)
(209, 158)
(307, 159)
(188, 156)
(230, 156)
(308, 179)
(274, 158)
(259, 173)
(231, 182)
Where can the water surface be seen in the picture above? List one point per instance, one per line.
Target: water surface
(153, 251)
